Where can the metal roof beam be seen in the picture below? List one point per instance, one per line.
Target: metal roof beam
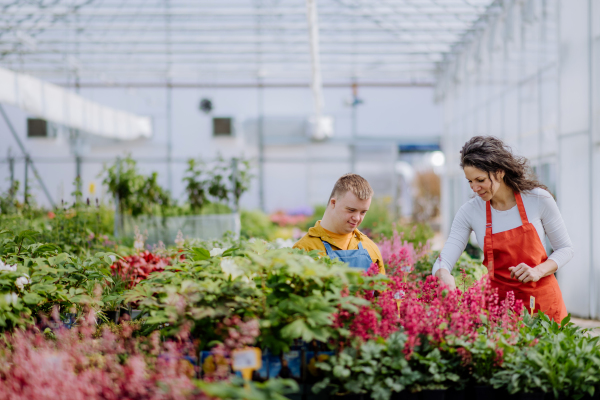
(388, 52)
(199, 61)
(98, 12)
(153, 26)
(221, 40)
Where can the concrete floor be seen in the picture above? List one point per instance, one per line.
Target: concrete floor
(588, 323)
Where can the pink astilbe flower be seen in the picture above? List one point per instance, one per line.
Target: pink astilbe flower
(379, 318)
(430, 311)
(78, 366)
(399, 255)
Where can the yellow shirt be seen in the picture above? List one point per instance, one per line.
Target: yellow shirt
(340, 241)
(313, 240)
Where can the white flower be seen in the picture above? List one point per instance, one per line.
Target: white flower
(139, 239)
(280, 243)
(6, 267)
(22, 281)
(179, 240)
(216, 252)
(11, 298)
(230, 268)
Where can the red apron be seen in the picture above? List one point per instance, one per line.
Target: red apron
(521, 245)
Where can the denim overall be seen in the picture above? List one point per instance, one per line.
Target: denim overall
(355, 258)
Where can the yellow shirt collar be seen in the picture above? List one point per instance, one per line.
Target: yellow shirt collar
(319, 231)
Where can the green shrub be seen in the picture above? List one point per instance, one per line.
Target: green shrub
(564, 361)
(43, 277)
(256, 224)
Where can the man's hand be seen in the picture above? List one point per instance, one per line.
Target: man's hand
(446, 278)
(525, 273)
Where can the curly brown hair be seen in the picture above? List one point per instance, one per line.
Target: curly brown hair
(490, 154)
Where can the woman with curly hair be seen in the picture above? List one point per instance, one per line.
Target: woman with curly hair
(511, 214)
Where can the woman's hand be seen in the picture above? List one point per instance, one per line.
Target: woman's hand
(525, 273)
(446, 278)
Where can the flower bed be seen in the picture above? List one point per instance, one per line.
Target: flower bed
(319, 323)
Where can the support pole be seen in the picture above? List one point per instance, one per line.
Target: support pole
(260, 102)
(354, 128)
(78, 178)
(11, 167)
(234, 182)
(593, 276)
(26, 181)
(169, 105)
(316, 82)
(261, 149)
(170, 137)
(394, 183)
(117, 201)
(22, 147)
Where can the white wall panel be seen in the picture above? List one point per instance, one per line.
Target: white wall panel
(574, 198)
(574, 67)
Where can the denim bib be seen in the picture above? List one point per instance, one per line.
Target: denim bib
(354, 258)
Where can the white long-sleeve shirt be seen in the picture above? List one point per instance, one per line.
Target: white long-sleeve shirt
(541, 210)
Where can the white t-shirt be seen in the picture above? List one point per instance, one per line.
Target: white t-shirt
(541, 210)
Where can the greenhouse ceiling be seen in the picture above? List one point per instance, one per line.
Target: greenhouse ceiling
(162, 42)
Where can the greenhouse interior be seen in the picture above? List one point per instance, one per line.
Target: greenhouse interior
(301, 199)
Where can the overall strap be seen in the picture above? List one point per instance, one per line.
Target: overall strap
(488, 245)
(360, 246)
(328, 248)
(521, 207)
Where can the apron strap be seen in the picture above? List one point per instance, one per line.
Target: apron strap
(328, 248)
(360, 246)
(488, 244)
(521, 207)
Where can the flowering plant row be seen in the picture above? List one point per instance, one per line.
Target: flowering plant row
(368, 333)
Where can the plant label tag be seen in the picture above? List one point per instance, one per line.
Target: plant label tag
(531, 303)
(249, 358)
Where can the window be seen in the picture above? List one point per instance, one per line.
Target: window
(222, 127)
(37, 127)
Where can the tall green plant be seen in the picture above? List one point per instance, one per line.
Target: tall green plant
(195, 185)
(225, 181)
(136, 194)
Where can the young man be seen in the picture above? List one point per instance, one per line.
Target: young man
(337, 234)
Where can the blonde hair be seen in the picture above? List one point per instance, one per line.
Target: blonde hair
(352, 183)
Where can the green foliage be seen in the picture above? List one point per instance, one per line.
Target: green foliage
(194, 185)
(273, 389)
(552, 358)
(240, 178)
(466, 271)
(417, 234)
(256, 224)
(48, 278)
(137, 194)
(381, 368)
(9, 204)
(224, 181)
(378, 367)
(317, 215)
(293, 295)
(378, 219)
